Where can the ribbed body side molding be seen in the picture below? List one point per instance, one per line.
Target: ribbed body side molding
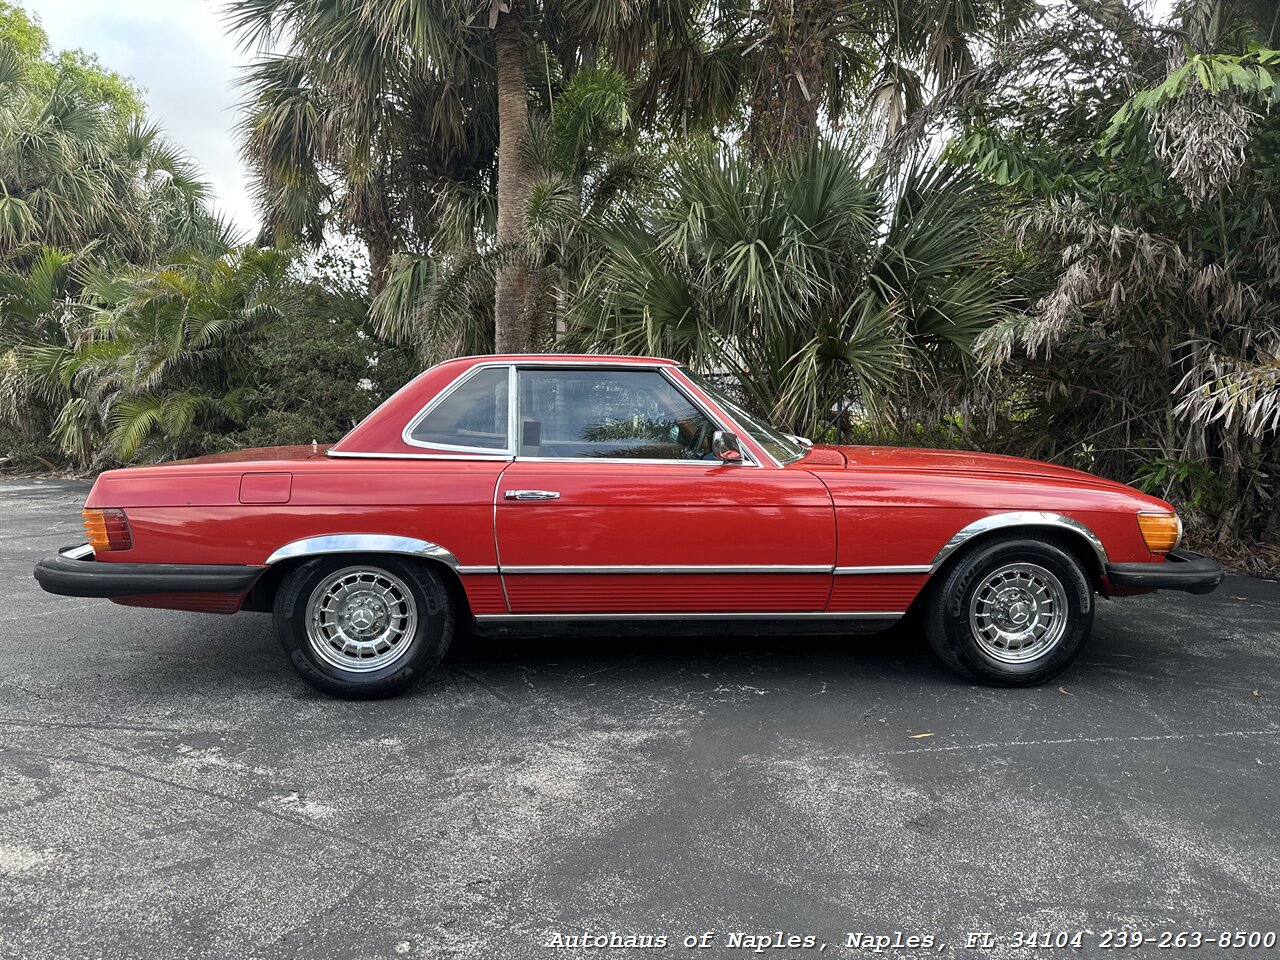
(735, 615)
(1021, 518)
(767, 568)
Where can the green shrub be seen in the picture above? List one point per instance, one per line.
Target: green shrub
(321, 369)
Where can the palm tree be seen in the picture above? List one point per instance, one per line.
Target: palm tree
(88, 185)
(1144, 185)
(803, 64)
(807, 280)
(583, 171)
(372, 108)
(77, 173)
(379, 108)
(41, 318)
(512, 329)
(165, 355)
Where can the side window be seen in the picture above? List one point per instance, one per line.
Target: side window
(631, 414)
(472, 417)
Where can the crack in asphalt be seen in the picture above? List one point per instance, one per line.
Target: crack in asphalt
(1074, 741)
(52, 724)
(218, 795)
(483, 684)
(48, 613)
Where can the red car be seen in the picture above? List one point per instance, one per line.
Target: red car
(544, 493)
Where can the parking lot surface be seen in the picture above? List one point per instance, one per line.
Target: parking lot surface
(170, 788)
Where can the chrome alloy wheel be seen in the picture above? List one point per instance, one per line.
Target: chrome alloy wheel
(1019, 612)
(361, 619)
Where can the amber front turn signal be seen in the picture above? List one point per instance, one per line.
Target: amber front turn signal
(1161, 531)
(107, 529)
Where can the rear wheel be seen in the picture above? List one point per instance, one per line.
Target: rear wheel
(363, 627)
(1014, 611)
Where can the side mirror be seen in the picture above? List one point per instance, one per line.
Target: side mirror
(724, 446)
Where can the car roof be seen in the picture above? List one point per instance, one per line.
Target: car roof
(601, 358)
(380, 433)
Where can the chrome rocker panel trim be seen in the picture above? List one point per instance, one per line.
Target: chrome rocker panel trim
(763, 568)
(816, 623)
(758, 615)
(864, 571)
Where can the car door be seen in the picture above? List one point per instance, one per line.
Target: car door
(615, 505)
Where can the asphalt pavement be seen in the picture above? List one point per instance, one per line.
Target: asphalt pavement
(169, 788)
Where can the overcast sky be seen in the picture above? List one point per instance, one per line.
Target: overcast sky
(180, 54)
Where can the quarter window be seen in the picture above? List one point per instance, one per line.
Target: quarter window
(609, 414)
(473, 416)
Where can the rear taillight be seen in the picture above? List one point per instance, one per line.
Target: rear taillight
(108, 529)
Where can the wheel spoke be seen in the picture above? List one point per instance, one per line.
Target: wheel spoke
(361, 619)
(1018, 612)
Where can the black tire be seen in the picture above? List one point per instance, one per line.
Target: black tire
(432, 608)
(947, 618)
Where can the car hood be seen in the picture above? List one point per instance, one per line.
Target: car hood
(949, 462)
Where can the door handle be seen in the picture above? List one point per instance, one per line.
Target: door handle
(532, 495)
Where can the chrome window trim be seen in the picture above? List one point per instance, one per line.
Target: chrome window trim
(758, 615)
(763, 568)
(716, 416)
(669, 369)
(682, 370)
(1021, 518)
(662, 369)
(723, 417)
(509, 451)
(501, 458)
(637, 460)
(506, 458)
(554, 360)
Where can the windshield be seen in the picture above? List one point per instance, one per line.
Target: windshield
(781, 447)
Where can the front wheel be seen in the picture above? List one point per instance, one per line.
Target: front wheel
(363, 628)
(1012, 612)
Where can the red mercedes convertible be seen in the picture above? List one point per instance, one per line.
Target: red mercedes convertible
(538, 494)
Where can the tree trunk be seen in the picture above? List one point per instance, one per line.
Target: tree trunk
(510, 309)
(785, 92)
(368, 213)
(380, 250)
(562, 275)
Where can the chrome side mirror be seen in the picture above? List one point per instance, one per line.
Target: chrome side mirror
(724, 445)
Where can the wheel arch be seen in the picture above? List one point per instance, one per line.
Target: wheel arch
(364, 543)
(1074, 536)
(370, 546)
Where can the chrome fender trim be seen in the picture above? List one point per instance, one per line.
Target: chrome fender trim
(1021, 518)
(372, 543)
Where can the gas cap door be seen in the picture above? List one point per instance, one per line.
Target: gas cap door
(266, 487)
